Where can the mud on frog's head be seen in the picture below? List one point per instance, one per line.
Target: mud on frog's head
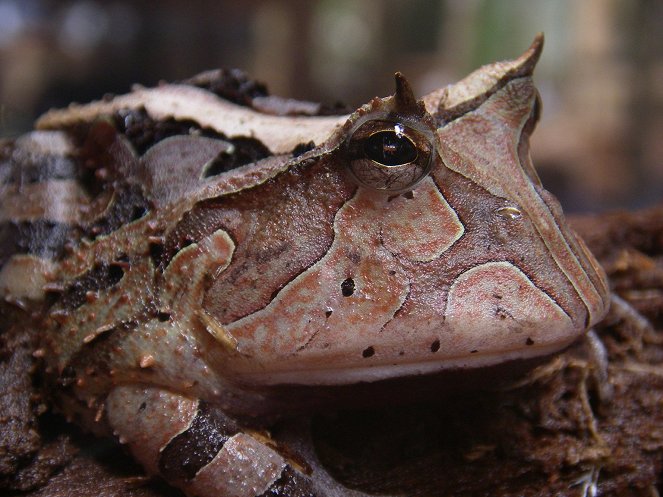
(446, 251)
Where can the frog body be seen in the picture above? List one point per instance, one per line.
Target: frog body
(201, 259)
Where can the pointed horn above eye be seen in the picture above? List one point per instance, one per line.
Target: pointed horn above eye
(404, 94)
(404, 97)
(531, 56)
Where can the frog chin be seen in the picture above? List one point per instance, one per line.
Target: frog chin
(381, 370)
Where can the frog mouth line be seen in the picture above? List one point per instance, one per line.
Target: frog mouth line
(388, 371)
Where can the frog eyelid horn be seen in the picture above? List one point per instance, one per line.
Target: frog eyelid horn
(404, 100)
(392, 145)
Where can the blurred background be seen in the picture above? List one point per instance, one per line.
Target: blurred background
(599, 145)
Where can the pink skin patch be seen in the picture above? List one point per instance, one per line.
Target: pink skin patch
(423, 227)
(244, 467)
(494, 308)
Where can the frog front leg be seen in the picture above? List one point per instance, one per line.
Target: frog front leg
(621, 311)
(197, 448)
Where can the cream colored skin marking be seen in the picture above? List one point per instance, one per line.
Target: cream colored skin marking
(24, 277)
(242, 468)
(280, 134)
(409, 284)
(496, 303)
(421, 231)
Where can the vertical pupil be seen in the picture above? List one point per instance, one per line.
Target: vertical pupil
(390, 149)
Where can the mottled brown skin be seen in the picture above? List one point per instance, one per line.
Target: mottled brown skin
(273, 238)
(208, 267)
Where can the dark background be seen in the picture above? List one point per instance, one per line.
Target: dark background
(599, 146)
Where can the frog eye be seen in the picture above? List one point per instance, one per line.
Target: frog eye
(390, 148)
(389, 155)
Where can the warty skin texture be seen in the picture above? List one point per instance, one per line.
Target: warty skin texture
(233, 270)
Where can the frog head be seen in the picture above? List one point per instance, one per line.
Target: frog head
(443, 250)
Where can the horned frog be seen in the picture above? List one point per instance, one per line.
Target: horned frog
(207, 264)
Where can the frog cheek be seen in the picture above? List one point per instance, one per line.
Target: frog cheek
(422, 226)
(493, 309)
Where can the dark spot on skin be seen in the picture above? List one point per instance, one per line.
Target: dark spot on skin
(101, 277)
(435, 346)
(529, 341)
(156, 253)
(245, 151)
(143, 132)
(115, 273)
(236, 86)
(502, 313)
(104, 344)
(142, 406)
(53, 294)
(368, 352)
(408, 195)
(348, 287)
(163, 316)
(67, 376)
(355, 257)
(231, 84)
(26, 167)
(497, 296)
(40, 237)
(290, 484)
(302, 148)
(328, 314)
(392, 273)
(138, 212)
(265, 255)
(129, 204)
(194, 448)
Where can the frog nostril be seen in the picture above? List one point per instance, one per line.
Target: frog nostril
(368, 352)
(435, 346)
